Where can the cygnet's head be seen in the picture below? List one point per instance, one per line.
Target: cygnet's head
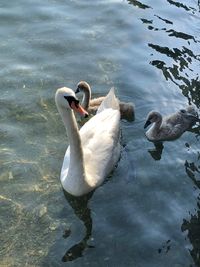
(65, 98)
(191, 109)
(190, 114)
(82, 86)
(152, 117)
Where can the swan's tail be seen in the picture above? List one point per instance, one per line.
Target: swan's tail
(110, 101)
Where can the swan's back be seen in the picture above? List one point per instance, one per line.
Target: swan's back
(110, 101)
(100, 140)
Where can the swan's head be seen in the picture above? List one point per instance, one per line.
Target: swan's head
(65, 98)
(190, 114)
(83, 86)
(152, 117)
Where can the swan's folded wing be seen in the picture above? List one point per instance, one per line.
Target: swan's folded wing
(176, 131)
(173, 119)
(170, 132)
(100, 142)
(65, 165)
(110, 101)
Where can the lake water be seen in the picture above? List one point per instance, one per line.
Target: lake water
(147, 213)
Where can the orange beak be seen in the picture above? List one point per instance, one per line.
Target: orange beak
(79, 109)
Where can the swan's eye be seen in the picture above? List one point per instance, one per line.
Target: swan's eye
(183, 111)
(71, 99)
(151, 118)
(76, 101)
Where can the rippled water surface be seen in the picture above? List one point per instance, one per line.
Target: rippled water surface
(147, 213)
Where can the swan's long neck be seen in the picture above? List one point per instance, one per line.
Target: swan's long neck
(72, 133)
(86, 98)
(76, 172)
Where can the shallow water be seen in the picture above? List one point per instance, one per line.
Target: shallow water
(148, 212)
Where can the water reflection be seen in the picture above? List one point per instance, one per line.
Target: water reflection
(181, 5)
(192, 169)
(156, 153)
(172, 33)
(183, 58)
(165, 247)
(138, 4)
(192, 226)
(80, 207)
(165, 20)
(181, 35)
(180, 70)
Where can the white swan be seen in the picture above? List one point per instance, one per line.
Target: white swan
(170, 127)
(94, 150)
(127, 110)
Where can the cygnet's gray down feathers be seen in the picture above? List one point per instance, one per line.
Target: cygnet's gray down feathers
(170, 127)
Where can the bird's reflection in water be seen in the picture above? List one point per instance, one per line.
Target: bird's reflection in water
(192, 226)
(156, 153)
(196, 131)
(80, 207)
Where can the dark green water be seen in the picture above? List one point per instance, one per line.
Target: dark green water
(147, 214)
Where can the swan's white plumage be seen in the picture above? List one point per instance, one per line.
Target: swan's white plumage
(101, 149)
(110, 101)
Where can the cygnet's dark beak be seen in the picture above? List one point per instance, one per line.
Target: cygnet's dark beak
(77, 90)
(147, 124)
